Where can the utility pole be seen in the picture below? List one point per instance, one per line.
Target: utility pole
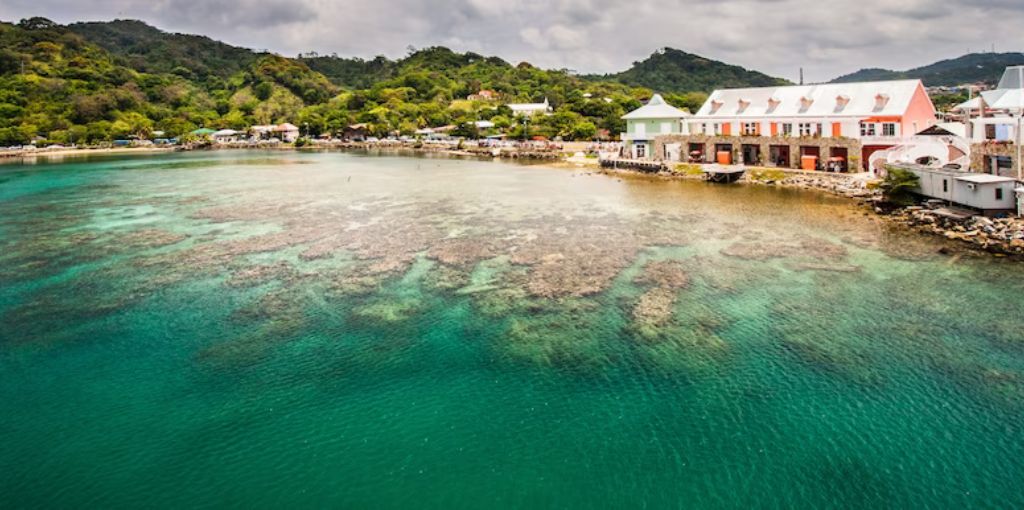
(1020, 122)
(801, 76)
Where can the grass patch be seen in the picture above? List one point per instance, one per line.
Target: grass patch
(766, 174)
(688, 169)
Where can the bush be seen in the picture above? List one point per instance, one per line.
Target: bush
(899, 186)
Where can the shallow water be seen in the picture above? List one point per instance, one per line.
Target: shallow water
(339, 330)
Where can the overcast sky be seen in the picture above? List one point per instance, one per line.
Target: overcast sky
(826, 37)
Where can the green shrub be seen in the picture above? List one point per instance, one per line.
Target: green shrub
(899, 186)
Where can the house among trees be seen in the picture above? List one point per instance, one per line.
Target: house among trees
(529, 109)
(656, 118)
(832, 126)
(483, 95)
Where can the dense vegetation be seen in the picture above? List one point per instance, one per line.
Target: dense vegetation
(97, 82)
(671, 70)
(970, 68)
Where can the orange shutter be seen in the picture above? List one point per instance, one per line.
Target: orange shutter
(727, 129)
(775, 129)
(757, 129)
(837, 130)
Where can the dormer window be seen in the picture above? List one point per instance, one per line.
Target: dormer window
(773, 103)
(841, 102)
(805, 103)
(880, 101)
(715, 105)
(743, 104)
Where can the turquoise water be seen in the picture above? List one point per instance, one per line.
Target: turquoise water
(337, 330)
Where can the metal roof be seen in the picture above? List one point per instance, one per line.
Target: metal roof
(983, 178)
(1010, 93)
(656, 108)
(863, 99)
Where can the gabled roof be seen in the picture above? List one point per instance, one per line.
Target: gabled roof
(1010, 93)
(971, 104)
(656, 108)
(864, 99)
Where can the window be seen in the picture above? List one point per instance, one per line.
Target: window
(999, 193)
(718, 128)
(641, 151)
(806, 129)
(867, 129)
(787, 129)
(889, 129)
(750, 129)
(945, 186)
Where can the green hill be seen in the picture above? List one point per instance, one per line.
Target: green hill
(93, 82)
(671, 70)
(150, 50)
(970, 68)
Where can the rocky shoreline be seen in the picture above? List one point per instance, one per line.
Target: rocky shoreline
(999, 236)
(1002, 237)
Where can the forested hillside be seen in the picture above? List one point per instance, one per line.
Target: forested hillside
(672, 70)
(970, 68)
(94, 82)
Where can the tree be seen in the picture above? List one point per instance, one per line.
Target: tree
(584, 130)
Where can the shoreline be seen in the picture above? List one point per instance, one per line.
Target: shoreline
(58, 153)
(1001, 237)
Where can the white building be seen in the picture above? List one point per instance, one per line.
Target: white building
(287, 132)
(987, 193)
(995, 120)
(226, 136)
(528, 109)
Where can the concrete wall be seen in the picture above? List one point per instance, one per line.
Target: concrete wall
(824, 145)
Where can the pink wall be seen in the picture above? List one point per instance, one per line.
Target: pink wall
(921, 110)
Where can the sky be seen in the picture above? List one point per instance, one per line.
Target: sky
(827, 38)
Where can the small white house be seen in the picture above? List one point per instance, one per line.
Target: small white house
(287, 132)
(226, 136)
(529, 109)
(990, 194)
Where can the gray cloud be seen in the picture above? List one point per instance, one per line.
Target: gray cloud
(826, 37)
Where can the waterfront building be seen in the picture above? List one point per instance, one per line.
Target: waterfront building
(831, 126)
(656, 118)
(990, 194)
(226, 136)
(995, 122)
(287, 132)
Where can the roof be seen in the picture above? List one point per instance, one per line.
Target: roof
(1009, 95)
(287, 127)
(225, 132)
(973, 104)
(983, 178)
(203, 131)
(656, 108)
(530, 106)
(863, 99)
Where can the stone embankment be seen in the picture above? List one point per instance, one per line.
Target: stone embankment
(1003, 236)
